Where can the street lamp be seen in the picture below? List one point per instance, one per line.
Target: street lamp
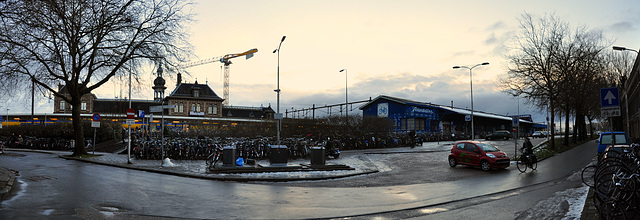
(471, 85)
(626, 102)
(278, 115)
(346, 95)
(623, 48)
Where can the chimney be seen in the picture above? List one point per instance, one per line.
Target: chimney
(179, 79)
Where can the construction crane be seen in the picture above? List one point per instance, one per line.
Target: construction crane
(226, 60)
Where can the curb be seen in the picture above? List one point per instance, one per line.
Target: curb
(12, 178)
(221, 178)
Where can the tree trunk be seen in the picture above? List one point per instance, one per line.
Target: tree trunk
(552, 125)
(79, 149)
(566, 126)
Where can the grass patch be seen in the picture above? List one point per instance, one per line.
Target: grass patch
(544, 151)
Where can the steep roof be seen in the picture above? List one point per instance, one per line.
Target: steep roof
(185, 90)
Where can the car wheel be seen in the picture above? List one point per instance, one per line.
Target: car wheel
(484, 165)
(452, 162)
(505, 138)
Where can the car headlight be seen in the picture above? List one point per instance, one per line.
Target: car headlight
(491, 155)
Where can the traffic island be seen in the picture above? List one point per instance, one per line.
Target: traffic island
(279, 168)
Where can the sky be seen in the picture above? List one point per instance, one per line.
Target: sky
(404, 49)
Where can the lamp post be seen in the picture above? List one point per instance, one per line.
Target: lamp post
(129, 142)
(626, 99)
(471, 86)
(279, 117)
(346, 99)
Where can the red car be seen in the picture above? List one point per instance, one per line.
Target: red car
(480, 154)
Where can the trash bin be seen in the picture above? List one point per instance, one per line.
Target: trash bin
(278, 154)
(229, 156)
(317, 156)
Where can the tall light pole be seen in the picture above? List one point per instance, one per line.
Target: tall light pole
(129, 147)
(626, 99)
(471, 85)
(279, 116)
(346, 97)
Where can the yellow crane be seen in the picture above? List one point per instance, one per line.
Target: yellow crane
(226, 60)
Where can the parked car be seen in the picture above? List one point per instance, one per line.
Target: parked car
(479, 154)
(539, 134)
(499, 135)
(605, 140)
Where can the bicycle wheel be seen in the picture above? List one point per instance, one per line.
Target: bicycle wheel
(588, 175)
(521, 164)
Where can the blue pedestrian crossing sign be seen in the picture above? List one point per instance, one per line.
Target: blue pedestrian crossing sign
(609, 97)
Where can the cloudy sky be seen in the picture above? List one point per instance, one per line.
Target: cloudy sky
(404, 49)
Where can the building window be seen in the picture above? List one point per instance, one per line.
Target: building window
(198, 107)
(196, 93)
(210, 109)
(83, 106)
(181, 107)
(193, 107)
(215, 109)
(62, 105)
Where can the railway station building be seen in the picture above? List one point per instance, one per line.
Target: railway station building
(423, 117)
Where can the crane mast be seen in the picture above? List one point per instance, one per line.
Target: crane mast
(226, 60)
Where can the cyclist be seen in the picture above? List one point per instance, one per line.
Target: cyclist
(528, 150)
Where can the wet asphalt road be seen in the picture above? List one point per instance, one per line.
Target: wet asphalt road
(54, 187)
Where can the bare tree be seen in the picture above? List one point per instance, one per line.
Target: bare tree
(82, 44)
(531, 69)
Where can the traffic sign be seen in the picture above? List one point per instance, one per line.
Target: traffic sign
(609, 97)
(515, 121)
(610, 112)
(96, 117)
(467, 118)
(141, 113)
(130, 121)
(95, 124)
(130, 113)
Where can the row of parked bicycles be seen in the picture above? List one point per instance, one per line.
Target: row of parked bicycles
(247, 148)
(615, 181)
(58, 144)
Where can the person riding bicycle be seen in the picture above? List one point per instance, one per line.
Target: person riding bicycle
(527, 149)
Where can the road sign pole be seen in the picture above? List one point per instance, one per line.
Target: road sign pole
(94, 140)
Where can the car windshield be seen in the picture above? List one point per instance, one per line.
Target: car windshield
(620, 139)
(487, 147)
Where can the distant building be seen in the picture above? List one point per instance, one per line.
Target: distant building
(409, 115)
(61, 106)
(191, 100)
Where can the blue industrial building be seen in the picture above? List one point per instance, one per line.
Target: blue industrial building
(421, 117)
